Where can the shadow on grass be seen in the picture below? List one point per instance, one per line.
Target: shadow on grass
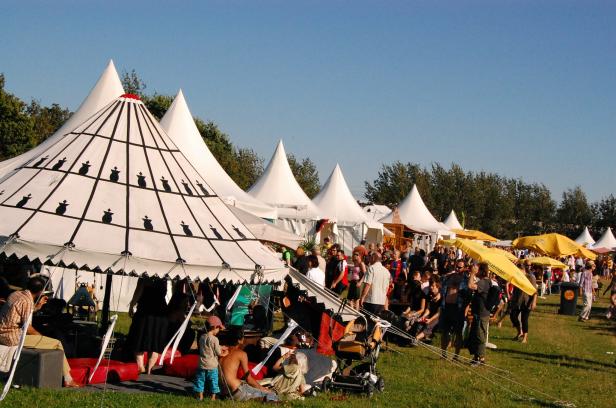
(565, 361)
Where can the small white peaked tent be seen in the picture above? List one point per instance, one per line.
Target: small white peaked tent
(376, 211)
(115, 194)
(336, 203)
(607, 240)
(415, 215)
(107, 88)
(585, 238)
(452, 222)
(277, 187)
(180, 126)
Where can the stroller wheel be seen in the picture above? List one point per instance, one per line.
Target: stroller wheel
(326, 385)
(380, 384)
(369, 389)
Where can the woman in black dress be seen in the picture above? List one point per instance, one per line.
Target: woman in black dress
(149, 329)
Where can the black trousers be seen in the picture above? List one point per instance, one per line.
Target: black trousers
(519, 318)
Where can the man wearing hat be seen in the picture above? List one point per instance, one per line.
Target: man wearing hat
(585, 283)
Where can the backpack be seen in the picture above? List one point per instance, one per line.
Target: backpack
(493, 298)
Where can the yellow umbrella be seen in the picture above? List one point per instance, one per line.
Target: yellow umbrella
(498, 263)
(547, 261)
(506, 254)
(474, 234)
(554, 245)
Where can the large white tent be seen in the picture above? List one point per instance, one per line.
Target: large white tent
(607, 240)
(116, 194)
(337, 204)
(416, 216)
(107, 88)
(452, 222)
(585, 238)
(277, 187)
(180, 126)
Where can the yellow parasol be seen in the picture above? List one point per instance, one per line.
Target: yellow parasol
(547, 261)
(497, 262)
(506, 254)
(474, 234)
(554, 245)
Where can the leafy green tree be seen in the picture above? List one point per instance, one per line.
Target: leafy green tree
(250, 167)
(604, 213)
(574, 212)
(157, 104)
(16, 125)
(46, 119)
(306, 174)
(132, 83)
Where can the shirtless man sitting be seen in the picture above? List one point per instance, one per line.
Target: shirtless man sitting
(245, 388)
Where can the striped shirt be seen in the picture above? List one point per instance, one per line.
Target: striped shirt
(13, 314)
(586, 281)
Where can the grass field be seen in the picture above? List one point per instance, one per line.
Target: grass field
(564, 358)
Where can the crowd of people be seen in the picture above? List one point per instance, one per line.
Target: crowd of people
(446, 290)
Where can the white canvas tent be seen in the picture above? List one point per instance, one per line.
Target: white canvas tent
(107, 88)
(376, 211)
(115, 194)
(452, 222)
(607, 240)
(415, 215)
(585, 238)
(337, 204)
(180, 126)
(277, 187)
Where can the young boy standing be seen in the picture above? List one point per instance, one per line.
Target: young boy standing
(206, 377)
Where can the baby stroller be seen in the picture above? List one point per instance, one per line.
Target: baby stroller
(357, 352)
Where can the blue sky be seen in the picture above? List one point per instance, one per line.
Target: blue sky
(522, 88)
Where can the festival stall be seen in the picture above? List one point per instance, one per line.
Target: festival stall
(606, 243)
(277, 187)
(350, 224)
(413, 217)
(585, 239)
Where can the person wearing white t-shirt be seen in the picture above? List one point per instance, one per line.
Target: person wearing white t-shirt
(376, 284)
(315, 274)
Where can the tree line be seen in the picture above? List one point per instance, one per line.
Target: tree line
(501, 206)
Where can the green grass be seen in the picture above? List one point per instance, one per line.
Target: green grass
(564, 358)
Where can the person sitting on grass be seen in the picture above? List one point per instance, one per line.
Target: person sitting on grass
(245, 388)
(206, 377)
(429, 320)
(17, 309)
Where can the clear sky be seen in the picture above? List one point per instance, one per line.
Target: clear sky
(522, 88)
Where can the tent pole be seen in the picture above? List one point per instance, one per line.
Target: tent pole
(106, 303)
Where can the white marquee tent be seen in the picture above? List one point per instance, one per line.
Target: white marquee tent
(337, 204)
(607, 240)
(180, 126)
(107, 88)
(115, 194)
(277, 187)
(416, 216)
(452, 222)
(585, 238)
(376, 211)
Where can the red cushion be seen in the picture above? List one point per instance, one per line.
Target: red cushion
(167, 357)
(80, 375)
(184, 366)
(106, 369)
